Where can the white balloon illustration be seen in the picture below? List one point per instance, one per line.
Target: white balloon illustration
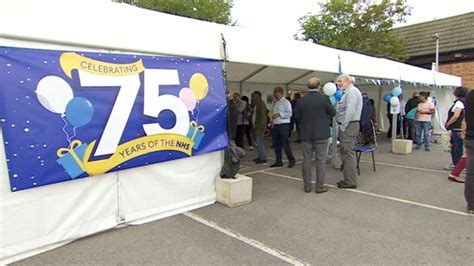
(54, 93)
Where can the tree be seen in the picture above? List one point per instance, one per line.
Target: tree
(361, 26)
(208, 10)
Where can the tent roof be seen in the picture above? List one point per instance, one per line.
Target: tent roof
(252, 57)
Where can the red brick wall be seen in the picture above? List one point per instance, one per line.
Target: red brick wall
(465, 70)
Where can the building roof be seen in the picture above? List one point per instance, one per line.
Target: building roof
(455, 34)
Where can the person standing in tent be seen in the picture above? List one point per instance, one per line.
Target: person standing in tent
(260, 125)
(349, 112)
(410, 110)
(281, 115)
(314, 133)
(233, 116)
(293, 121)
(248, 115)
(242, 121)
(374, 114)
(469, 145)
(424, 114)
(366, 136)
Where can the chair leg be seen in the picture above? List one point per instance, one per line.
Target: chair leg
(373, 160)
(358, 155)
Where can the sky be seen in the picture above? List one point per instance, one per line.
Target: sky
(279, 18)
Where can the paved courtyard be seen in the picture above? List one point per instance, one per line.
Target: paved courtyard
(407, 212)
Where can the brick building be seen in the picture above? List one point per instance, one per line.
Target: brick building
(456, 45)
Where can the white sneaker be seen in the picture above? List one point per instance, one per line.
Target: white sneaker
(449, 166)
(250, 148)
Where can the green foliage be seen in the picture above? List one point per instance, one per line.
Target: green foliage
(208, 10)
(361, 26)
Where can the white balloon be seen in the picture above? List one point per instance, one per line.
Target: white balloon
(329, 89)
(54, 93)
(429, 99)
(394, 100)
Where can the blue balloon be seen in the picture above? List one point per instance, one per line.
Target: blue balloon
(338, 95)
(79, 111)
(396, 91)
(387, 97)
(333, 100)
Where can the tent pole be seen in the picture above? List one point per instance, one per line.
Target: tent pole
(379, 106)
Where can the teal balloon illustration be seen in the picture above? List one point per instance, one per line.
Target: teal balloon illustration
(79, 111)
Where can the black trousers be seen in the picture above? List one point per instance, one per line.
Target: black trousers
(280, 140)
(239, 136)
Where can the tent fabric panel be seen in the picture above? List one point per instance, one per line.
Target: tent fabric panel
(276, 75)
(181, 36)
(35, 218)
(159, 190)
(248, 47)
(445, 79)
(239, 71)
(362, 65)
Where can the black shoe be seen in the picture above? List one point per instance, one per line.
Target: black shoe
(307, 189)
(277, 165)
(322, 189)
(343, 184)
(258, 161)
(291, 163)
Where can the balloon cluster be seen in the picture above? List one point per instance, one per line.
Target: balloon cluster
(392, 97)
(55, 94)
(198, 87)
(331, 90)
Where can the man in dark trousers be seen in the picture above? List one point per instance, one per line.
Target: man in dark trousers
(349, 110)
(281, 114)
(260, 125)
(313, 112)
(469, 144)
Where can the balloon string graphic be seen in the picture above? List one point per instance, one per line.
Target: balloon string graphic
(64, 130)
(197, 112)
(73, 135)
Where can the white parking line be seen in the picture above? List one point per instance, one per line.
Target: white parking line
(379, 196)
(407, 167)
(252, 242)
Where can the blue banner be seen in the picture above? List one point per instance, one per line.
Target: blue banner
(67, 115)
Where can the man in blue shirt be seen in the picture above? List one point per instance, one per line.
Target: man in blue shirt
(281, 115)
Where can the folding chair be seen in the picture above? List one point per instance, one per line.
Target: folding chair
(360, 148)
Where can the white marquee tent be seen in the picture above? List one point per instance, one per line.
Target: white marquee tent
(36, 220)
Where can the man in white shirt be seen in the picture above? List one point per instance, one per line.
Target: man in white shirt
(281, 115)
(348, 117)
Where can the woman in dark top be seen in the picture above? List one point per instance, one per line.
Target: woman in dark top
(453, 123)
(469, 144)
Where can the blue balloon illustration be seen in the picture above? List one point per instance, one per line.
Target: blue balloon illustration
(79, 111)
(396, 91)
(333, 100)
(338, 95)
(387, 97)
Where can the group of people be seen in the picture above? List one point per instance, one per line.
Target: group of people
(414, 120)
(460, 123)
(313, 133)
(314, 113)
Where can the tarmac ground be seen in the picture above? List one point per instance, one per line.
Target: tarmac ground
(407, 212)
